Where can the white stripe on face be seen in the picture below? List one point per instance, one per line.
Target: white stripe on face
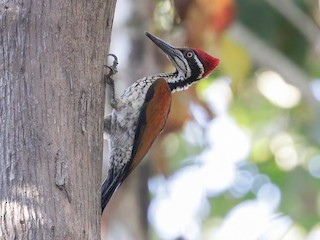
(200, 65)
(182, 66)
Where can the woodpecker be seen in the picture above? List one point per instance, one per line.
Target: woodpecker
(140, 114)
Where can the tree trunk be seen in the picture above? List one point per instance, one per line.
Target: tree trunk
(51, 117)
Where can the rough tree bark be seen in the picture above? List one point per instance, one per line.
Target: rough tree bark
(51, 117)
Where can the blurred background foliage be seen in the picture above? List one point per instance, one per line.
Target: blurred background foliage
(240, 155)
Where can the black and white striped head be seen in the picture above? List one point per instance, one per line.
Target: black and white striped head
(191, 64)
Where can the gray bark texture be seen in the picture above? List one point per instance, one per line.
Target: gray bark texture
(51, 117)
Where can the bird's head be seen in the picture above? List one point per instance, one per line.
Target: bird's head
(191, 64)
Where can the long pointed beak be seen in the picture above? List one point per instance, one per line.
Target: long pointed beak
(165, 47)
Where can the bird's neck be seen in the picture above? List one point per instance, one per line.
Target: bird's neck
(177, 81)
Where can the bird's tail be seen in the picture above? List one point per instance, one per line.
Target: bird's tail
(109, 186)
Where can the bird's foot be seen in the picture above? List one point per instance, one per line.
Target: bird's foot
(112, 69)
(109, 80)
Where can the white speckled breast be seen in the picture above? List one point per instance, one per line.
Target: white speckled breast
(124, 121)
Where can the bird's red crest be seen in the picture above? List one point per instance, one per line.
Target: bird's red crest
(209, 62)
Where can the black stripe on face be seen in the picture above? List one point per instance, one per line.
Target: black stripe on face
(195, 69)
(195, 72)
(175, 60)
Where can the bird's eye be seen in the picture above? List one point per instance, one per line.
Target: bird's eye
(189, 54)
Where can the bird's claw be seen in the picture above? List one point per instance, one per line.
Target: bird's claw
(109, 80)
(113, 68)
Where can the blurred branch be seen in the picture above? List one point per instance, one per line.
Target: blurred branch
(266, 56)
(299, 20)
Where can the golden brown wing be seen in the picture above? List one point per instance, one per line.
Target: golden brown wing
(152, 119)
